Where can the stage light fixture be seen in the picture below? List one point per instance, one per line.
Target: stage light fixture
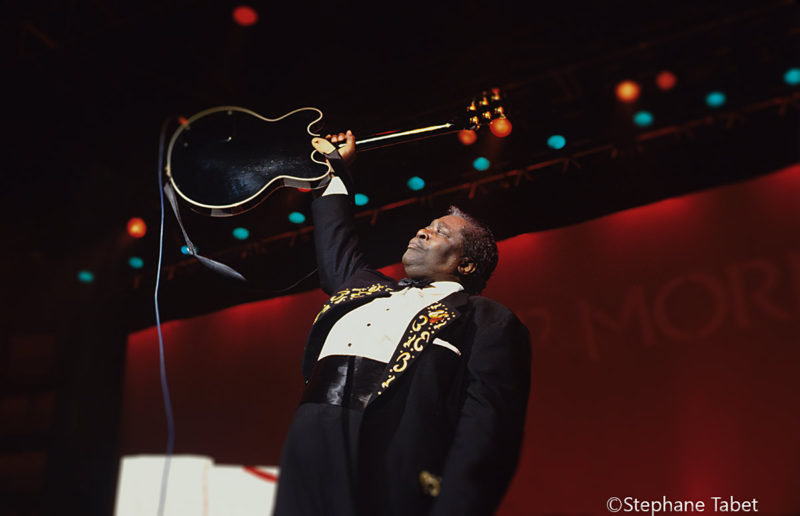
(500, 127)
(467, 136)
(245, 15)
(241, 233)
(481, 164)
(135, 262)
(415, 183)
(185, 250)
(792, 76)
(361, 199)
(628, 91)
(296, 217)
(556, 142)
(85, 276)
(136, 227)
(715, 99)
(666, 80)
(643, 118)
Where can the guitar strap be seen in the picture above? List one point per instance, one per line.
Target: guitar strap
(219, 268)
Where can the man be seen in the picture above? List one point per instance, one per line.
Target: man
(415, 395)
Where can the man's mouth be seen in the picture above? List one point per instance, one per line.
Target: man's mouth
(414, 245)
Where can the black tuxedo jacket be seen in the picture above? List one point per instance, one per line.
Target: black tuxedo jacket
(442, 432)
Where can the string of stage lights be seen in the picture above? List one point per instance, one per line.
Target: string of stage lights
(628, 92)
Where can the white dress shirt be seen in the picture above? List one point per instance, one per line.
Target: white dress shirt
(374, 330)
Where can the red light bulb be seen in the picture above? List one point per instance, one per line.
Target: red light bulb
(666, 80)
(245, 15)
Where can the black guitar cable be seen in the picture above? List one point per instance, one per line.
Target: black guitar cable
(164, 387)
(213, 265)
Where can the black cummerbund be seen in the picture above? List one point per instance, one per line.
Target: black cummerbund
(342, 380)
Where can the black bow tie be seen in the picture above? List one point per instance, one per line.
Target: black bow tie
(418, 283)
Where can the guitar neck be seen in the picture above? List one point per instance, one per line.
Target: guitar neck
(389, 138)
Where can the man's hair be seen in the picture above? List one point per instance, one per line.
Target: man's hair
(480, 246)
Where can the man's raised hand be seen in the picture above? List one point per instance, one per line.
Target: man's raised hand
(348, 152)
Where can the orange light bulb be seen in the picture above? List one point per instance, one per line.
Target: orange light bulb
(467, 136)
(628, 91)
(500, 127)
(136, 227)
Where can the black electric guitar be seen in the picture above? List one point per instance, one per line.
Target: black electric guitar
(226, 160)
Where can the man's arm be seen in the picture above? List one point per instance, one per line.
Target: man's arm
(486, 447)
(335, 237)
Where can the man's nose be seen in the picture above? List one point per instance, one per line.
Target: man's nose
(422, 233)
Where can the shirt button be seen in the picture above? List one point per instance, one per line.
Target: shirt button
(369, 324)
(349, 344)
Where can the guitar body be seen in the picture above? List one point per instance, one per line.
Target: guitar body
(225, 160)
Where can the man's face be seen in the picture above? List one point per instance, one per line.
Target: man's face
(436, 251)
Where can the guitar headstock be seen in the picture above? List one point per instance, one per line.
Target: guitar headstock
(485, 109)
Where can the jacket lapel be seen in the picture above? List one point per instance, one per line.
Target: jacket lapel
(423, 329)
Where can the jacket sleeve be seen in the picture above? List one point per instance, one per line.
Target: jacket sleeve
(336, 241)
(485, 451)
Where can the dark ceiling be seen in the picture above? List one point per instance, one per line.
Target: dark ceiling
(91, 82)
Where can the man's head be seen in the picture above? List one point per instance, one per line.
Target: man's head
(454, 247)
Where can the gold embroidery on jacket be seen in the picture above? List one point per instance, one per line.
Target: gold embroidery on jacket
(402, 363)
(351, 293)
(386, 383)
(422, 328)
(431, 484)
(417, 324)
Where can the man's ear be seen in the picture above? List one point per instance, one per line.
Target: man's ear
(466, 266)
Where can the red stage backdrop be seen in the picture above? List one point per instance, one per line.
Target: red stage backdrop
(666, 349)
